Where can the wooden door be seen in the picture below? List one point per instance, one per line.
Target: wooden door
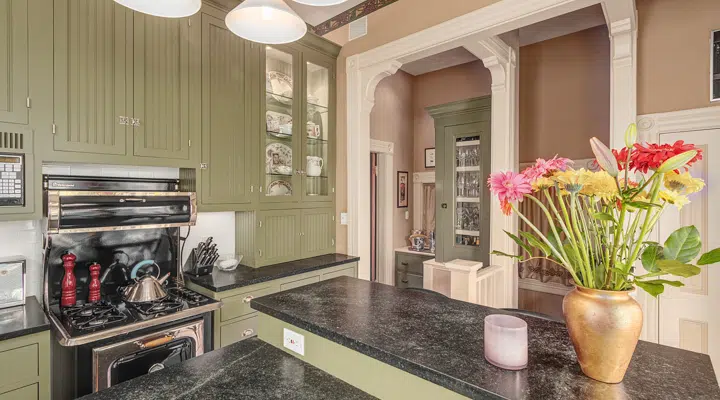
(688, 315)
(93, 73)
(227, 136)
(318, 232)
(161, 87)
(278, 236)
(14, 61)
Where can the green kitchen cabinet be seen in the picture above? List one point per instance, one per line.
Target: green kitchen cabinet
(462, 138)
(14, 61)
(161, 86)
(25, 367)
(317, 234)
(236, 320)
(278, 236)
(93, 76)
(229, 117)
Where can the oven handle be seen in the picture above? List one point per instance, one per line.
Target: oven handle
(149, 344)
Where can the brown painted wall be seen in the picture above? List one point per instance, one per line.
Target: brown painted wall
(674, 54)
(391, 120)
(444, 86)
(564, 95)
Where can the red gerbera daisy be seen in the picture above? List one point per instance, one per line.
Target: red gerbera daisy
(651, 156)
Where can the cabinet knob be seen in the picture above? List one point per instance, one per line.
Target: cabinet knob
(248, 332)
(248, 299)
(443, 205)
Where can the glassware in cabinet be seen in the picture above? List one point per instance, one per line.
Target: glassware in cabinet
(317, 132)
(468, 191)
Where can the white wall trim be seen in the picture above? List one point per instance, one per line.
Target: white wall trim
(385, 207)
(419, 179)
(476, 30)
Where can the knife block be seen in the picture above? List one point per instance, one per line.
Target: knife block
(192, 267)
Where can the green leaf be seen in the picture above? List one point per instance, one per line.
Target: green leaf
(655, 289)
(683, 245)
(650, 256)
(553, 242)
(603, 217)
(619, 271)
(535, 242)
(572, 257)
(643, 205)
(500, 253)
(519, 242)
(667, 282)
(674, 267)
(711, 257)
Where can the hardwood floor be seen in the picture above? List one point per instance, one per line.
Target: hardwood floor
(546, 303)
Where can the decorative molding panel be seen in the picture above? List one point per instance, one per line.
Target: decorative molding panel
(424, 177)
(378, 146)
(650, 126)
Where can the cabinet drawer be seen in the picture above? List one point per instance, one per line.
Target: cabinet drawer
(343, 272)
(411, 263)
(404, 281)
(237, 306)
(301, 282)
(29, 392)
(238, 331)
(18, 364)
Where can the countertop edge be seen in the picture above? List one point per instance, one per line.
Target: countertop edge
(421, 371)
(251, 282)
(29, 330)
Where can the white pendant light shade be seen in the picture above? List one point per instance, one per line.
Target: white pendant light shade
(266, 21)
(321, 3)
(164, 8)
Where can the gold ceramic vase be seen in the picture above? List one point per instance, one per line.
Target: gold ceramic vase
(604, 327)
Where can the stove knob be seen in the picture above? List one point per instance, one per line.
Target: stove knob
(156, 367)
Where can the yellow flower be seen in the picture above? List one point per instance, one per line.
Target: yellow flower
(571, 180)
(683, 183)
(674, 198)
(600, 184)
(542, 183)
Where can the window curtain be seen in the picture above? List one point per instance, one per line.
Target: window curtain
(428, 222)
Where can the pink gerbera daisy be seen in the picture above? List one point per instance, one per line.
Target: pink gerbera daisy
(543, 167)
(509, 186)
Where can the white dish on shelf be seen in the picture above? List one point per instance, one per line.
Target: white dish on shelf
(228, 262)
(280, 86)
(278, 124)
(278, 155)
(279, 188)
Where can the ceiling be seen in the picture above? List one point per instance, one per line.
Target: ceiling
(311, 15)
(566, 24)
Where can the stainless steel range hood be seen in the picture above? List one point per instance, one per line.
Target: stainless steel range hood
(85, 204)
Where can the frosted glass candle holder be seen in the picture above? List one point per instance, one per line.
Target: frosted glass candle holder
(506, 341)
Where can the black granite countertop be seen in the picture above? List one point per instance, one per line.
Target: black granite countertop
(220, 281)
(251, 369)
(441, 340)
(23, 320)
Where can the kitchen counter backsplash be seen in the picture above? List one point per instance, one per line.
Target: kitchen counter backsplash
(24, 238)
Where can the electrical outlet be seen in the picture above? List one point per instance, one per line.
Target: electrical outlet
(294, 341)
(343, 219)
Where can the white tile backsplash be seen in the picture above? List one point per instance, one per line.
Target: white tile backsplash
(219, 225)
(24, 238)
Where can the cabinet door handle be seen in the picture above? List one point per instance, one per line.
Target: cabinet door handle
(123, 120)
(404, 281)
(404, 263)
(248, 332)
(248, 299)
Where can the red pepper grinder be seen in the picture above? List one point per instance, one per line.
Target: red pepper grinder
(68, 282)
(94, 288)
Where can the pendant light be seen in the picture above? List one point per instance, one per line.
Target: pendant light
(164, 8)
(266, 21)
(320, 3)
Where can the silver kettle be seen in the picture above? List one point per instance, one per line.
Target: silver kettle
(145, 289)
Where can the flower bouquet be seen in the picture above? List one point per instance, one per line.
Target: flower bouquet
(599, 225)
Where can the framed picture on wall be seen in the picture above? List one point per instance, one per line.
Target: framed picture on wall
(430, 158)
(402, 189)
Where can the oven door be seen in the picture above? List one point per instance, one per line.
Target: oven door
(122, 361)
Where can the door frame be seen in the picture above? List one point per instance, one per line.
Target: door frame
(477, 31)
(650, 127)
(385, 206)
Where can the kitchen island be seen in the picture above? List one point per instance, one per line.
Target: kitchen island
(250, 369)
(395, 343)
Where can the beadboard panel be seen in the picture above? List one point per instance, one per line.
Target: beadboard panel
(317, 232)
(13, 61)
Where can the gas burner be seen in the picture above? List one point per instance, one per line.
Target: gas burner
(85, 316)
(157, 307)
(188, 295)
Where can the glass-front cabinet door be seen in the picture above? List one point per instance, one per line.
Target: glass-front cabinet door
(281, 164)
(469, 186)
(318, 130)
